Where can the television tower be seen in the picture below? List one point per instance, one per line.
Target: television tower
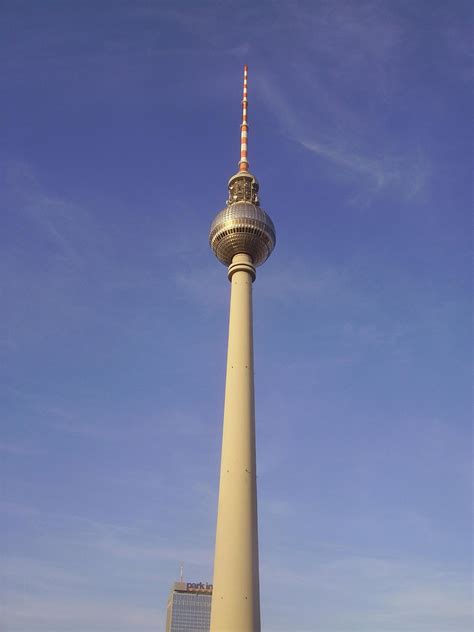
(242, 237)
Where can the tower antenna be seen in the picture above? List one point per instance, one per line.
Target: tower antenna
(181, 570)
(243, 163)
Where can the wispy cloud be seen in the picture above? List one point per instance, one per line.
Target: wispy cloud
(281, 282)
(379, 593)
(66, 227)
(37, 573)
(76, 614)
(209, 294)
(295, 278)
(69, 422)
(134, 540)
(368, 334)
(341, 143)
(19, 449)
(127, 550)
(46, 591)
(17, 509)
(380, 172)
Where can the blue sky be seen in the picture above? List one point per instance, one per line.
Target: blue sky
(120, 128)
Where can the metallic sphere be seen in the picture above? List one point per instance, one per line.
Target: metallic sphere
(242, 228)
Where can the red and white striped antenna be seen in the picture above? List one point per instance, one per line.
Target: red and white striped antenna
(243, 162)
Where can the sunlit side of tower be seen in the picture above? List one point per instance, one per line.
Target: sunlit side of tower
(242, 237)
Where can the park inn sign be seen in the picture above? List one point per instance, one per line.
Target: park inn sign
(192, 587)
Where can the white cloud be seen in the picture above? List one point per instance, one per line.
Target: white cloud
(20, 612)
(371, 594)
(19, 449)
(295, 278)
(344, 143)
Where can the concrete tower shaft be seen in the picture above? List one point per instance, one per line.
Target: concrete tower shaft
(242, 237)
(236, 601)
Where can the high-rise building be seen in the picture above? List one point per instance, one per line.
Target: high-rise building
(242, 237)
(189, 607)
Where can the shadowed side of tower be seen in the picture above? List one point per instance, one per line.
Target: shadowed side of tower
(242, 237)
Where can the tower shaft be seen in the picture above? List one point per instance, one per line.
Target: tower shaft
(236, 600)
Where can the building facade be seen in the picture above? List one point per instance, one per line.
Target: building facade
(189, 607)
